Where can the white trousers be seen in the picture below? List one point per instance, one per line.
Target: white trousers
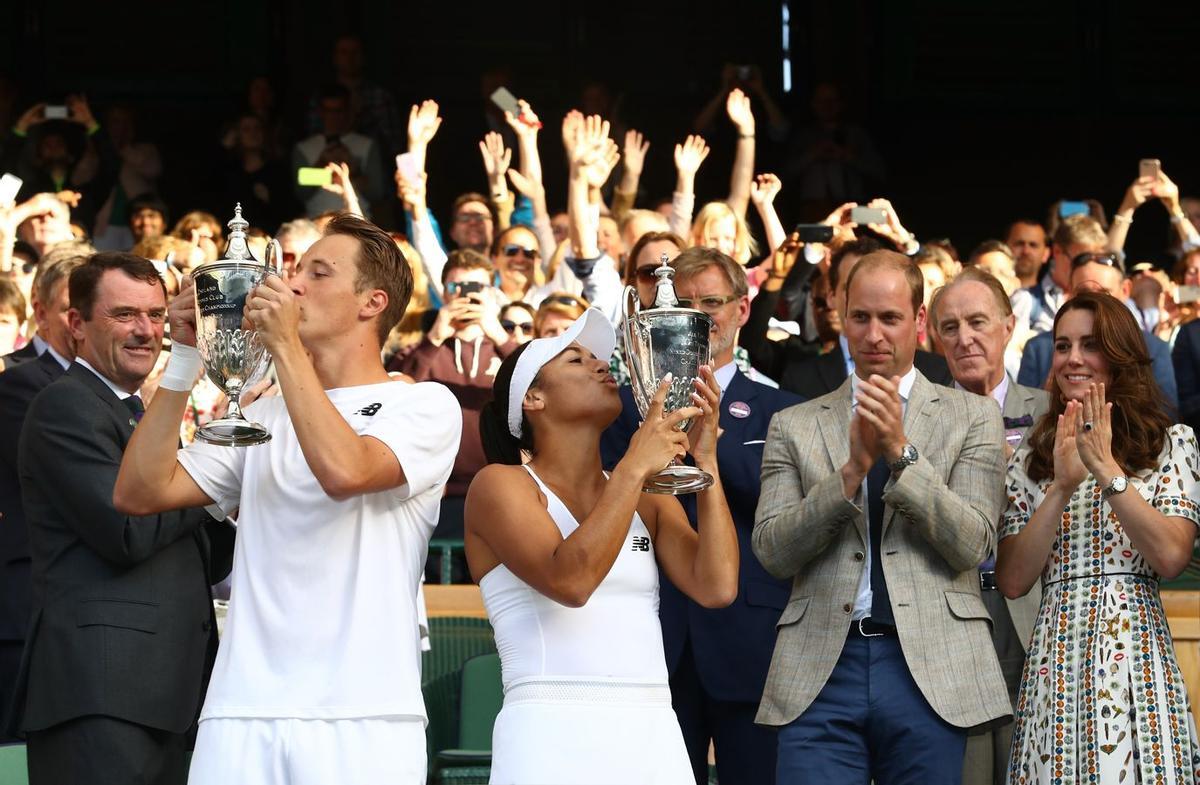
(309, 752)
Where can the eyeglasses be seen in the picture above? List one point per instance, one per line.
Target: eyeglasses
(472, 218)
(514, 249)
(510, 327)
(708, 303)
(1106, 259)
(646, 274)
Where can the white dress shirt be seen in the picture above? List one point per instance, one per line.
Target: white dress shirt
(122, 394)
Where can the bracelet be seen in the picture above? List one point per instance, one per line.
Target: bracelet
(183, 368)
(745, 136)
(1125, 219)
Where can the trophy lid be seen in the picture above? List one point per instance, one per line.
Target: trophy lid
(664, 295)
(237, 250)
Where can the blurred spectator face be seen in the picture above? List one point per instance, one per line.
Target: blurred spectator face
(260, 96)
(43, 231)
(560, 224)
(516, 260)
(609, 239)
(554, 325)
(974, 333)
(825, 315)
(23, 271)
(52, 150)
(1191, 271)
(250, 133)
(53, 322)
(1061, 270)
(1191, 207)
(647, 262)
(880, 325)
(294, 245)
(934, 280)
(124, 334)
(10, 328)
(1100, 278)
(348, 58)
(1000, 266)
(1028, 243)
(472, 226)
(1078, 360)
(839, 291)
(146, 222)
(721, 234)
(459, 275)
(712, 285)
(518, 323)
(335, 116)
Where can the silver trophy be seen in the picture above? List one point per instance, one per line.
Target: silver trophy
(661, 340)
(234, 358)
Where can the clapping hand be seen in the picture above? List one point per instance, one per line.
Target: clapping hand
(878, 400)
(1069, 469)
(1093, 434)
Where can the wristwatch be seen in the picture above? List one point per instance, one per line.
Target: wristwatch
(1116, 485)
(908, 456)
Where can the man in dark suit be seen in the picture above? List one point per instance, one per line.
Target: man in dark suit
(718, 659)
(123, 635)
(18, 386)
(811, 378)
(972, 317)
(1097, 272)
(1186, 357)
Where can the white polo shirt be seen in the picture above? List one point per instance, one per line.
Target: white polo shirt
(322, 619)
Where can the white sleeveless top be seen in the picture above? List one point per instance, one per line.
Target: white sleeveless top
(615, 636)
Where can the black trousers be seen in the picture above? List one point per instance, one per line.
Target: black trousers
(106, 751)
(10, 663)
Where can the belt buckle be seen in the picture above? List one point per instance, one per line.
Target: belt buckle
(987, 580)
(864, 633)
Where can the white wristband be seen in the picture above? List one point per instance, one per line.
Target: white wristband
(183, 368)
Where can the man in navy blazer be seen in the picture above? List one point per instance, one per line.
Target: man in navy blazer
(1186, 356)
(1096, 272)
(718, 659)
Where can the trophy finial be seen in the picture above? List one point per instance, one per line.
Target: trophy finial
(664, 296)
(237, 250)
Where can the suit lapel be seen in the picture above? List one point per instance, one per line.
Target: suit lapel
(833, 419)
(740, 389)
(920, 416)
(97, 386)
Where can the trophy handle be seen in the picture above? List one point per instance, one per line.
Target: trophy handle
(630, 307)
(273, 258)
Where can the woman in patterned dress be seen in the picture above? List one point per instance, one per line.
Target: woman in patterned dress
(1101, 505)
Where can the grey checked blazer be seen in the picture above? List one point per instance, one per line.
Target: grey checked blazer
(939, 524)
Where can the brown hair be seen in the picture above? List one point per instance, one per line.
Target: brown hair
(1179, 271)
(642, 242)
(85, 278)
(56, 266)
(697, 259)
(979, 275)
(1080, 230)
(380, 266)
(472, 196)
(891, 260)
(195, 220)
(466, 259)
(1139, 414)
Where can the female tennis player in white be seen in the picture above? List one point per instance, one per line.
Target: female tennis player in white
(567, 558)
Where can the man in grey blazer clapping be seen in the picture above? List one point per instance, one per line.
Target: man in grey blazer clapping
(879, 501)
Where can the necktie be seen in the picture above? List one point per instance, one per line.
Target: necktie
(881, 605)
(135, 406)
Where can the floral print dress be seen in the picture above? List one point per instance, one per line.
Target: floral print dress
(1102, 699)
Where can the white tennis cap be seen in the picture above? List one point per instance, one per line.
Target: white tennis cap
(593, 331)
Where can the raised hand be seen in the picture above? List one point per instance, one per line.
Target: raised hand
(32, 116)
(423, 123)
(783, 259)
(527, 186)
(496, 157)
(526, 124)
(1069, 469)
(571, 125)
(340, 183)
(891, 228)
(737, 106)
(658, 440)
(690, 154)
(1093, 434)
(635, 152)
(764, 189)
(1166, 190)
(78, 111)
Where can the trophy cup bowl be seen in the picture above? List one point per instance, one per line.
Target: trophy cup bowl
(659, 341)
(234, 358)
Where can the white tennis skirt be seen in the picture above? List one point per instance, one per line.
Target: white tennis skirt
(560, 732)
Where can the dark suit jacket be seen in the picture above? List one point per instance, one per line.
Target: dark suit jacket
(825, 373)
(768, 357)
(731, 646)
(18, 386)
(123, 621)
(1039, 352)
(23, 355)
(1186, 358)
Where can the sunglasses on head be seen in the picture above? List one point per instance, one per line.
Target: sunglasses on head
(1106, 259)
(512, 249)
(511, 326)
(564, 299)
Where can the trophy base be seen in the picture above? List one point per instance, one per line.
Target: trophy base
(233, 432)
(677, 480)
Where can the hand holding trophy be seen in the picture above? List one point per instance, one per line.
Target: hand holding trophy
(234, 358)
(661, 340)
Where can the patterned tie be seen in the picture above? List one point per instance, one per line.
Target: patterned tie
(881, 605)
(135, 406)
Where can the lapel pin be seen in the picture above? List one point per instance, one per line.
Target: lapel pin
(739, 409)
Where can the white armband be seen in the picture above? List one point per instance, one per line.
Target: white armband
(183, 368)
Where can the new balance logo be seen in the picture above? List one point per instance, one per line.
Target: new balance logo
(371, 410)
(640, 544)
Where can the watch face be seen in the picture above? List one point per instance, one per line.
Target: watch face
(1118, 484)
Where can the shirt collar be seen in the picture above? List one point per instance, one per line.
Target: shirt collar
(846, 358)
(63, 361)
(999, 393)
(39, 345)
(724, 375)
(116, 390)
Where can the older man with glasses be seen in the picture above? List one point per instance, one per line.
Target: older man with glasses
(1097, 271)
